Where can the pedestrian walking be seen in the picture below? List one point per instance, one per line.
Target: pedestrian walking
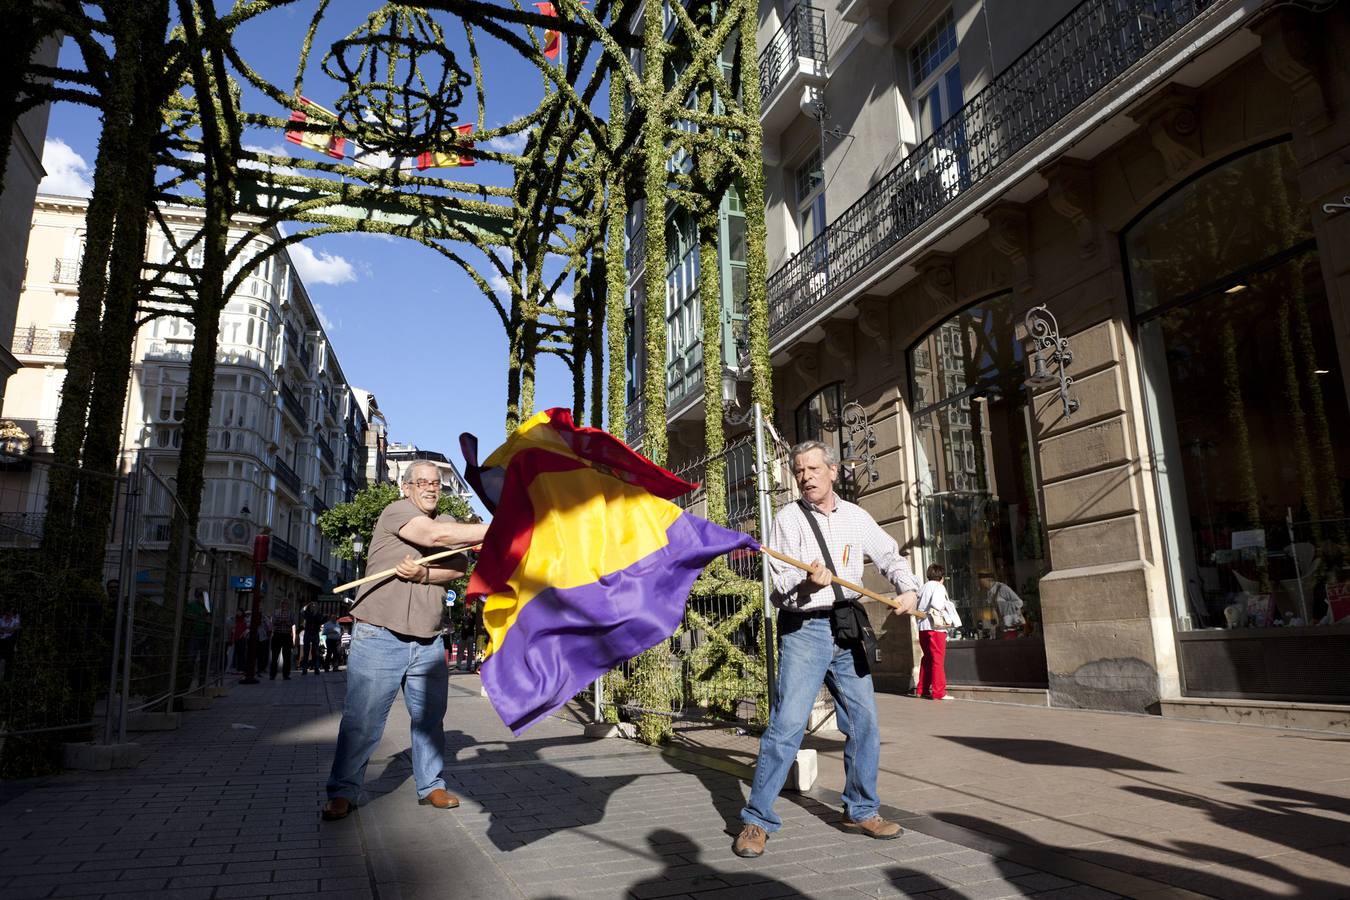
(332, 644)
(939, 615)
(237, 642)
(822, 639)
(283, 639)
(395, 644)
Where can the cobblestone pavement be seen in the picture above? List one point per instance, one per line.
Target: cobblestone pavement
(227, 806)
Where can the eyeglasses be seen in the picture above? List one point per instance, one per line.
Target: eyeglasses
(422, 484)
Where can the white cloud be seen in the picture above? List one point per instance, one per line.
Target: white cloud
(328, 324)
(563, 300)
(67, 172)
(273, 150)
(509, 143)
(321, 267)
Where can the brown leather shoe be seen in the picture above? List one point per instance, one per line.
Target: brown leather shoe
(876, 827)
(439, 798)
(750, 842)
(337, 808)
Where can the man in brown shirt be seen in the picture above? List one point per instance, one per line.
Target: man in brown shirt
(395, 643)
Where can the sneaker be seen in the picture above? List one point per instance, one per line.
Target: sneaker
(876, 827)
(946, 697)
(750, 842)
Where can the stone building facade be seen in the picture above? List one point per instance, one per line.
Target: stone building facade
(1166, 180)
(287, 438)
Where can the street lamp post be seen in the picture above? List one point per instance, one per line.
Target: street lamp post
(261, 546)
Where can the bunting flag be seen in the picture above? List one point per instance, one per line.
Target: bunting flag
(457, 157)
(329, 144)
(587, 563)
(552, 39)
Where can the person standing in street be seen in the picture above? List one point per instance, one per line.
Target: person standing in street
(311, 620)
(936, 606)
(283, 639)
(836, 535)
(395, 643)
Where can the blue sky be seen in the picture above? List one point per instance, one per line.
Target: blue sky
(407, 325)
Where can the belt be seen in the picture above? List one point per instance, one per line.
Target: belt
(806, 614)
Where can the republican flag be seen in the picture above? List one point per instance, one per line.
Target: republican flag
(456, 157)
(587, 563)
(330, 144)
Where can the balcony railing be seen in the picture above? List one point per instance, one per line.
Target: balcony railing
(325, 451)
(318, 571)
(292, 337)
(286, 475)
(21, 529)
(161, 350)
(283, 551)
(1091, 46)
(42, 341)
(801, 37)
(292, 405)
(305, 356)
(66, 271)
(637, 251)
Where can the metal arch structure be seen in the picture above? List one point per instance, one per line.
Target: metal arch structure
(681, 127)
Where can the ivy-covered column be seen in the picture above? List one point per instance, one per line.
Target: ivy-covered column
(752, 181)
(655, 153)
(616, 272)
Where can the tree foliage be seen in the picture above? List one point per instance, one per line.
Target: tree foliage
(357, 518)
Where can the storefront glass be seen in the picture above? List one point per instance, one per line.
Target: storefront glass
(1242, 354)
(980, 510)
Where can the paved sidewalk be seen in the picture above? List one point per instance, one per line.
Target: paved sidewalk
(1133, 804)
(227, 806)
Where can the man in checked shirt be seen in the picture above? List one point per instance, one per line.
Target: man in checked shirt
(808, 654)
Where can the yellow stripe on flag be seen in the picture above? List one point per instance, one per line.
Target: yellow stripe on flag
(587, 525)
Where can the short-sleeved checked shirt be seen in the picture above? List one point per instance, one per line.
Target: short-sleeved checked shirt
(850, 534)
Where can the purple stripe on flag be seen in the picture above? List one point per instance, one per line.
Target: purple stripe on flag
(565, 638)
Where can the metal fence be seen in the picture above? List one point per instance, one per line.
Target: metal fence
(719, 666)
(135, 640)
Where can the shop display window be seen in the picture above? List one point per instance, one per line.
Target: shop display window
(976, 478)
(1242, 357)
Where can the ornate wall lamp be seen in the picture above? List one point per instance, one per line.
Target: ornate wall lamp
(731, 397)
(858, 440)
(1050, 350)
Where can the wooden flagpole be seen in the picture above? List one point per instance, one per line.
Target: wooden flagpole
(871, 595)
(421, 562)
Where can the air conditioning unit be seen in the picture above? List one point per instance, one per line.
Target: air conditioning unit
(237, 532)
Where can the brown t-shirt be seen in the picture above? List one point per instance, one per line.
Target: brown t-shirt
(402, 606)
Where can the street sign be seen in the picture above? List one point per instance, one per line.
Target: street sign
(450, 597)
(241, 582)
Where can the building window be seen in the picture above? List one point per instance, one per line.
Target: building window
(978, 492)
(818, 418)
(1242, 359)
(935, 76)
(810, 183)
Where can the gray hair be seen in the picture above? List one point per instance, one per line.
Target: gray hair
(831, 458)
(419, 464)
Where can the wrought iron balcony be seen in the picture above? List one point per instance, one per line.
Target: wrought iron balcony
(292, 405)
(795, 53)
(284, 552)
(292, 337)
(306, 358)
(21, 529)
(286, 476)
(637, 252)
(1089, 48)
(66, 271)
(318, 571)
(325, 451)
(42, 341)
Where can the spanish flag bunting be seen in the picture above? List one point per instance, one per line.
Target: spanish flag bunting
(586, 564)
(457, 157)
(552, 39)
(329, 144)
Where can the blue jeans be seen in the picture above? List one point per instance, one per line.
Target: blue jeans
(379, 662)
(808, 657)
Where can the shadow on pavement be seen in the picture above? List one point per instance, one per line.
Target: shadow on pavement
(685, 873)
(1225, 880)
(1053, 753)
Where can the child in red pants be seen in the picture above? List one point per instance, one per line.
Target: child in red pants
(933, 601)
